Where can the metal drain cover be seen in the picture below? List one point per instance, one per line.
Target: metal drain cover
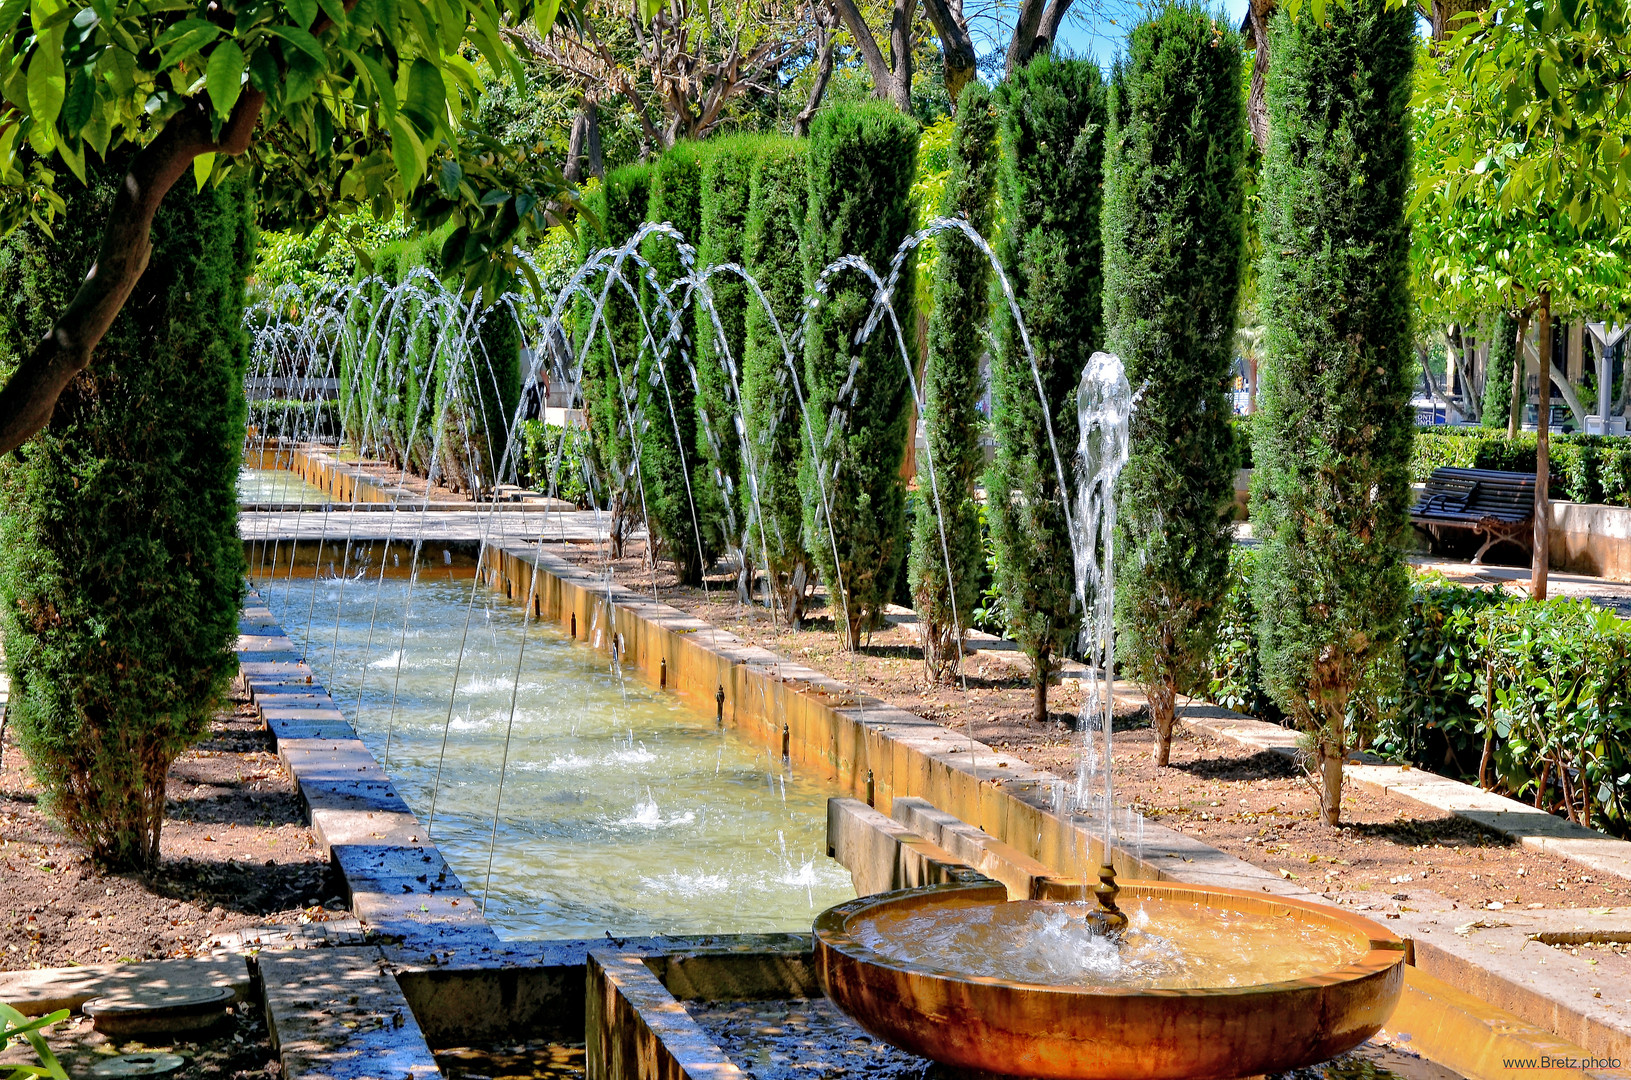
(160, 1012)
(139, 1065)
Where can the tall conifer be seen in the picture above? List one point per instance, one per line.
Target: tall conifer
(1173, 249)
(1052, 166)
(947, 525)
(863, 159)
(1331, 443)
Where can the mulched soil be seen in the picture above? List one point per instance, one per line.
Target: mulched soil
(235, 853)
(1255, 805)
(236, 1049)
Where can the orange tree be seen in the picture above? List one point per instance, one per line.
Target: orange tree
(329, 105)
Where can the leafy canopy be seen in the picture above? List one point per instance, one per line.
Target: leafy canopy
(356, 104)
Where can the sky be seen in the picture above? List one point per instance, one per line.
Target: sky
(1102, 41)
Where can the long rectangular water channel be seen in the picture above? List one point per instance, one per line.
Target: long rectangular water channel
(624, 810)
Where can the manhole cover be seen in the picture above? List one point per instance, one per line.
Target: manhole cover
(160, 1012)
(139, 1065)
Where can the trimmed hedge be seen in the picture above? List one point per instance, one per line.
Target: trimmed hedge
(775, 442)
(1585, 468)
(952, 389)
(683, 505)
(1503, 355)
(612, 367)
(121, 571)
(1174, 236)
(1052, 168)
(727, 169)
(863, 159)
(558, 461)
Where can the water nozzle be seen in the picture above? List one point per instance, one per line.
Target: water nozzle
(719, 700)
(787, 739)
(869, 791)
(662, 674)
(1109, 917)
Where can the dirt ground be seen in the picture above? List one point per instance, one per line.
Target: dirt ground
(235, 853)
(1258, 806)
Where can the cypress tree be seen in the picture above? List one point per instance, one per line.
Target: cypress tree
(1052, 165)
(726, 175)
(121, 571)
(774, 442)
(1331, 442)
(863, 159)
(478, 387)
(612, 366)
(952, 388)
(1174, 230)
(1503, 350)
(682, 504)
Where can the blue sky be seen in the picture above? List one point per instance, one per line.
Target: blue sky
(1102, 41)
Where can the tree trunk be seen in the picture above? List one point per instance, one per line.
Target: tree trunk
(892, 77)
(1331, 751)
(1039, 678)
(1543, 465)
(824, 61)
(1163, 699)
(1520, 367)
(1257, 108)
(30, 394)
(956, 47)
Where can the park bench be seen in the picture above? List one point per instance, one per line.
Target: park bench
(1498, 505)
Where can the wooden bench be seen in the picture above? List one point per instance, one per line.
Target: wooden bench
(1498, 505)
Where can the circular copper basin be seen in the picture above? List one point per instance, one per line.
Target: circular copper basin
(1054, 1032)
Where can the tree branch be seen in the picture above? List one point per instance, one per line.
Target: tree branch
(1022, 46)
(30, 395)
(955, 46)
(824, 60)
(883, 77)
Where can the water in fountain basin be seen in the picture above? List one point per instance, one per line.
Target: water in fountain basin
(1167, 945)
(624, 810)
(264, 486)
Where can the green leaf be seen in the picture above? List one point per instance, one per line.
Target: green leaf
(263, 70)
(203, 165)
(544, 15)
(80, 102)
(384, 88)
(223, 77)
(407, 151)
(300, 40)
(47, 83)
(11, 13)
(451, 175)
(426, 104)
(304, 12)
(649, 9)
(335, 10)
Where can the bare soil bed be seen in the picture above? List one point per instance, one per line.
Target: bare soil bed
(235, 853)
(1390, 851)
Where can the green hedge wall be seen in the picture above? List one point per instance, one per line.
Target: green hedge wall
(1585, 468)
(775, 443)
(121, 571)
(1052, 169)
(863, 159)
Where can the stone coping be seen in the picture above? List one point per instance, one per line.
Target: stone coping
(1533, 828)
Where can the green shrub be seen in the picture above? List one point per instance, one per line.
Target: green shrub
(1503, 354)
(121, 571)
(1331, 491)
(558, 461)
(775, 441)
(1050, 245)
(727, 171)
(683, 506)
(1174, 233)
(613, 365)
(947, 524)
(1585, 468)
(862, 161)
(295, 421)
(1235, 680)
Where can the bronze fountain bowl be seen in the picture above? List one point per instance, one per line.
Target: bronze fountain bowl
(989, 1025)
